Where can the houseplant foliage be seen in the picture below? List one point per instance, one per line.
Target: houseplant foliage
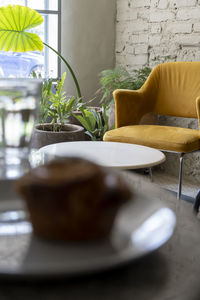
(120, 78)
(95, 123)
(44, 100)
(15, 21)
(57, 106)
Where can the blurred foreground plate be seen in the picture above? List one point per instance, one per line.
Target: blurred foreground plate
(141, 227)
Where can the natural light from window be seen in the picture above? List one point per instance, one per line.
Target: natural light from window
(46, 62)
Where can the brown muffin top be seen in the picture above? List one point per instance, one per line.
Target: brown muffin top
(63, 171)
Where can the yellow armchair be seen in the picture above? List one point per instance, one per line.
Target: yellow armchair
(171, 89)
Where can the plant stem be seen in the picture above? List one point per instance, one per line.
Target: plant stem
(78, 90)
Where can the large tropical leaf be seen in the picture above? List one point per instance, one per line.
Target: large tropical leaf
(14, 21)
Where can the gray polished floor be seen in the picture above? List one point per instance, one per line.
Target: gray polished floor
(170, 182)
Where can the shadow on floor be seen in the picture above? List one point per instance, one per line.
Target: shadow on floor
(169, 183)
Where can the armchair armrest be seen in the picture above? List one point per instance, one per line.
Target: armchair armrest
(198, 109)
(130, 106)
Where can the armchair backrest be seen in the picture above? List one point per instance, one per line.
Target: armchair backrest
(176, 85)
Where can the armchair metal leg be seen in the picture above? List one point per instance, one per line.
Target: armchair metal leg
(197, 202)
(150, 174)
(180, 176)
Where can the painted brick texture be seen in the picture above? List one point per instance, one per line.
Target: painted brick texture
(153, 31)
(161, 26)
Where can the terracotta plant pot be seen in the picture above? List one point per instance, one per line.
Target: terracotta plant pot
(43, 135)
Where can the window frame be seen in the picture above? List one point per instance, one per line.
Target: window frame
(58, 13)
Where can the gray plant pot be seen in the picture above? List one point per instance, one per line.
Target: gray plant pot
(43, 135)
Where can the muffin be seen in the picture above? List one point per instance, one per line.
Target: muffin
(72, 199)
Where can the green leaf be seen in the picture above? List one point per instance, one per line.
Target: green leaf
(63, 80)
(93, 138)
(89, 116)
(70, 104)
(106, 113)
(83, 122)
(120, 78)
(15, 20)
(98, 118)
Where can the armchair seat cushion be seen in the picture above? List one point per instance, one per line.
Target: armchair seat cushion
(161, 137)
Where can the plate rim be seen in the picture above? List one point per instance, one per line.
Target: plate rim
(119, 258)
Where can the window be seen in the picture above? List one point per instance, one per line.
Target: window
(22, 64)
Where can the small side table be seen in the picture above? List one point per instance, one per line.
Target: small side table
(107, 154)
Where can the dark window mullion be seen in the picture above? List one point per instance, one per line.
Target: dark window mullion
(48, 11)
(46, 38)
(59, 36)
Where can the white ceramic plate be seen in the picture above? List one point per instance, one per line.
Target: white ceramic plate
(141, 227)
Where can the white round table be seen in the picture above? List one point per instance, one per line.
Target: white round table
(107, 154)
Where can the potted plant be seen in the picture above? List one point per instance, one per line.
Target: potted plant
(57, 107)
(78, 106)
(95, 123)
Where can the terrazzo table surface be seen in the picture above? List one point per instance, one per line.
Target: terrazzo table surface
(170, 273)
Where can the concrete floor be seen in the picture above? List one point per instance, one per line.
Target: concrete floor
(170, 182)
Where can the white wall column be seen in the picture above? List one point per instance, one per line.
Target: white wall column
(88, 41)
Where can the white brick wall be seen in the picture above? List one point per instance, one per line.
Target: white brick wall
(159, 27)
(140, 3)
(182, 3)
(196, 27)
(179, 27)
(153, 31)
(157, 15)
(189, 13)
